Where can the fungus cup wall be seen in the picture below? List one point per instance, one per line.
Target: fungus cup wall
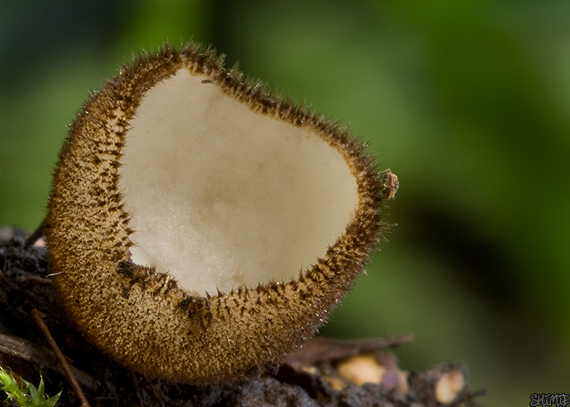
(142, 317)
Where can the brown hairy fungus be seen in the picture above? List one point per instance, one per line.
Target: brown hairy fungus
(200, 228)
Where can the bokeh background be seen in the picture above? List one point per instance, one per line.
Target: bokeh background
(466, 101)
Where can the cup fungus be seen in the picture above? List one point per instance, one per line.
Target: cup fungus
(200, 228)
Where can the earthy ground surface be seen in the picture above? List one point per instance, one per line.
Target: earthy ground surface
(322, 373)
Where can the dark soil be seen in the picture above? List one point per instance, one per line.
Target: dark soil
(309, 378)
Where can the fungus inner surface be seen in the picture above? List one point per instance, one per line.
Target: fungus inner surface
(220, 195)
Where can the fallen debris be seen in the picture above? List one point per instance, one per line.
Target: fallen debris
(324, 372)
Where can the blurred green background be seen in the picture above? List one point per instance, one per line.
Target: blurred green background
(466, 101)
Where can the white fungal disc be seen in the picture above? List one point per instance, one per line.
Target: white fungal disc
(221, 195)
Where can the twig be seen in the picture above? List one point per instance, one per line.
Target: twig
(68, 373)
(25, 350)
(138, 390)
(39, 232)
(470, 397)
(323, 349)
(35, 278)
